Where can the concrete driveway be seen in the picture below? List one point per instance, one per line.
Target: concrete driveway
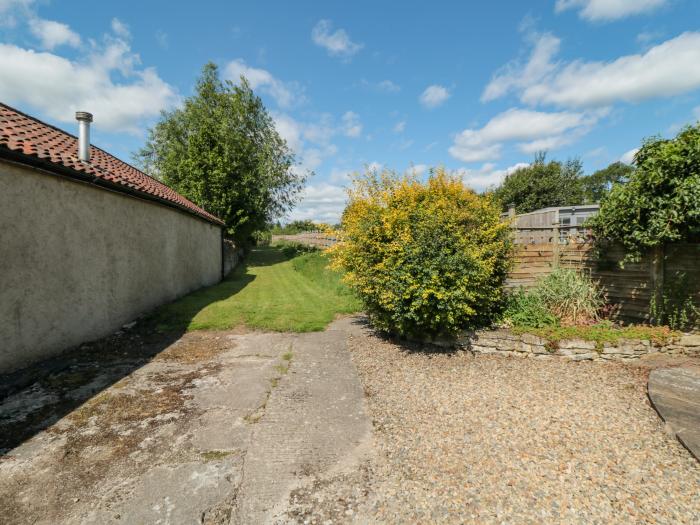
(212, 427)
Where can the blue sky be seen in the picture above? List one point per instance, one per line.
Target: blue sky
(478, 87)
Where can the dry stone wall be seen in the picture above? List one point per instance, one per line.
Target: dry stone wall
(505, 342)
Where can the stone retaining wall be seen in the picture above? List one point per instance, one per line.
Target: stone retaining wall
(505, 342)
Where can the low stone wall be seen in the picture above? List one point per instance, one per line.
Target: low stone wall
(505, 342)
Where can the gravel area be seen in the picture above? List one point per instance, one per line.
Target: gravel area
(465, 439)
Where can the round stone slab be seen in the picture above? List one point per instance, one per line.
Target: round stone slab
(675, 394)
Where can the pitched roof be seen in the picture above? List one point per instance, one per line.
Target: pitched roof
(37, 143)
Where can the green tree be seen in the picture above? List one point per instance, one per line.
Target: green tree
(221, 150)
(542, 184)
(599, 184)
(661, 202)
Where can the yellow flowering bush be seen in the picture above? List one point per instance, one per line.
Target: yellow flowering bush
(427, 259)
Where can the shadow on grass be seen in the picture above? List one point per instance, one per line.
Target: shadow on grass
(34, 398)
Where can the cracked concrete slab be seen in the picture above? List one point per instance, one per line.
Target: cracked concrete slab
(314, 421)
(216, 427)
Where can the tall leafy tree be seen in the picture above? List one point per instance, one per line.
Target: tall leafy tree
(661, 202)
(542, 184)
(599, 184)
(221, 150)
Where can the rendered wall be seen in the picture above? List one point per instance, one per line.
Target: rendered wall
(77, 261)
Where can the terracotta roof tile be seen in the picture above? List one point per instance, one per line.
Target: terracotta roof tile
(23, 134)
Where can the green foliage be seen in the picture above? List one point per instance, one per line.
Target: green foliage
(600, 333)
(221, 150)
(599, 184)
(295, 227)
(564, 297)
(661, 202)
(527, 309)
(426, 259)
(675, 307)
(572, 297)
(269, 291)
(292, 249)
(262, 237)
(542, 184)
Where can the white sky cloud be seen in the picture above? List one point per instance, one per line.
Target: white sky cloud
(533, 130)
(321, 202)
(352, 127)
(120, 29)
(286, 94)
(400, 126)
(11, 9)
(628, 157)
(388, 86)
(486, 176)
(337, 43)
(515, 75)
(434, 96)
(605, 10)
(667, 69)
(52, 34)
(107, 82)
(417, 169)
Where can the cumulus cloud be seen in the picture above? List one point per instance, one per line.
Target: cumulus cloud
(351, 125)
(107, 82)
(52, 34)
(11, 9)
(321, 202)
(628, 157)
(434, 96)
(336, 43)
(667, 69)
(605, 10)
(286, 94)
(533, 130)
(516, 75)
(487, 175)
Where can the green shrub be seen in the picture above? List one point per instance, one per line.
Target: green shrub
(527, 309)
(262, 238)
(675, 307)
(564, 297)
(292, 249)
(570, 296)
(426, 259)
(661, 202)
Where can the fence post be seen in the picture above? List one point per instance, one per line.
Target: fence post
(658, 270)
(555, 243)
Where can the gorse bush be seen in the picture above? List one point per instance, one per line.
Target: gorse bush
(426, 259)
(564, 297)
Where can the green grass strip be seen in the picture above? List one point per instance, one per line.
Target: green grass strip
(270, 291)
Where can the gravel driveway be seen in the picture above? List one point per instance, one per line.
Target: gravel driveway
(464, 439)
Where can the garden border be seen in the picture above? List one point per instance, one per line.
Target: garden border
(502, 341)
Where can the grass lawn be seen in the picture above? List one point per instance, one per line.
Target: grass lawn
(272, 290)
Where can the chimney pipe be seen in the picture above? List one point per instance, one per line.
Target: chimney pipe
(84, 118)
